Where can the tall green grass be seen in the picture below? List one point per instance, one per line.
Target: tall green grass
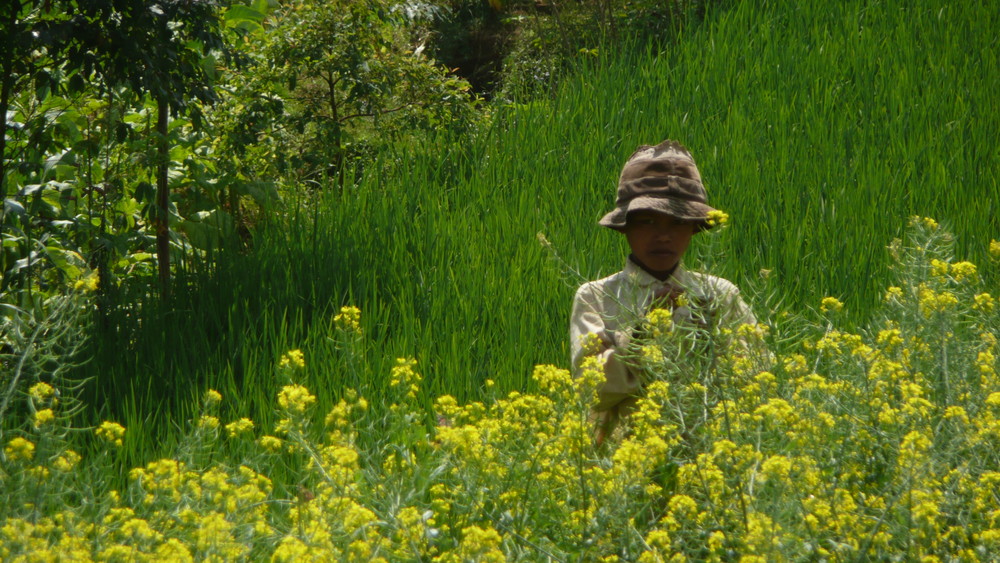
(820, 127)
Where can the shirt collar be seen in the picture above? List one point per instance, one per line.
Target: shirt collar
(642, 278)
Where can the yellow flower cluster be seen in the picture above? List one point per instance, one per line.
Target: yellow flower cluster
(293, 359)
(403, 377)
(239, 427)
(830, 304)
(295, 398)
(212, 398)
(926, 223)
(19, 449)
(87, 283)
(660, 322)
(41, 392)
(717, 218)
(348, 320)
(111, 432)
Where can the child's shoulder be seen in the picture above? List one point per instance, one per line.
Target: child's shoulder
(709, 284)
(602, 285)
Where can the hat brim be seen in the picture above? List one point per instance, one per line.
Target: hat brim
(693, 211)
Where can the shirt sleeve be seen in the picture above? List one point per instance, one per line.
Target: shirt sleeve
(587, 318)
(735, 311)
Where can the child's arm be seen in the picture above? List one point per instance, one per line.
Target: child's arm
(590, 336)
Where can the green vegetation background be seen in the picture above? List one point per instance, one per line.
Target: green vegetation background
(820, 127)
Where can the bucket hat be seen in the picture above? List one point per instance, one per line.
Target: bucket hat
(661, 178)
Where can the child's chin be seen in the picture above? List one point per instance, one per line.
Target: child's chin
(662, 264)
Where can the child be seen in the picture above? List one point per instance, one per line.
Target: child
(661, 204)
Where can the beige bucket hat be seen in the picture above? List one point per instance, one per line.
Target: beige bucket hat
(660, 178)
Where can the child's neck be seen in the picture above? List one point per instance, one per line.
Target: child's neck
(663, 275)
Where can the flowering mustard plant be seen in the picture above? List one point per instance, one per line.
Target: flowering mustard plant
(874, 444)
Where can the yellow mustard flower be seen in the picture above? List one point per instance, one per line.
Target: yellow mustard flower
(890, 338)
(591, 344)
(295, 398)
(87, 283)
(41, 391)
(956, 412)
(208, 422)
(215, 532)
(19, 449)
(652, 354)
(238, 427)
(963, 270)
(480, 544)
(926, 222)
(111, 432)
(172, 550)
(894, 293)
(984, 361)
(348, 320)
(660, 322)
(44, 417)
(66, 461)
(984, 302)
(939, 268)
(294, 359)
(404, 377)
(39, 473)
(829, 304)
(935, 302)
(270, 443)
(212, 397)
(553, 381)
(995, 249)
(658, 539)
(717, 218)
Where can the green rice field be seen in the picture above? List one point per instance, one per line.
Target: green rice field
(821, 128)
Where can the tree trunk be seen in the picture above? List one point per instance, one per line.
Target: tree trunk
(6, 91)
(162, 198)
(331, 82)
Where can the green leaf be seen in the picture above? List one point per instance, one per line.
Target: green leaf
(265, 193)
(238, 14)
(13, 206)
(69, 262)
(65, 157)
(206, 229)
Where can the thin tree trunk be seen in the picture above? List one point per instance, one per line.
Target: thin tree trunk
(6, 91)
(162, 198)
(337, 136)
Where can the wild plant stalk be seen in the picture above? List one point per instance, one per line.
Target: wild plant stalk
(42, 343)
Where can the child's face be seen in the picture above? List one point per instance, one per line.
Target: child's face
(657, 240)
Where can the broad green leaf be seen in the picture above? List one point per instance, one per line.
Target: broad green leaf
(263, 192)
(69, 262)
(64, 157)
(238, 14)
(13, 206)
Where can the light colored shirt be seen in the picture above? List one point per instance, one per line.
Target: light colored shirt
(612, 307)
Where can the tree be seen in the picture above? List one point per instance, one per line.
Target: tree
(165, 50)
(347, 66)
